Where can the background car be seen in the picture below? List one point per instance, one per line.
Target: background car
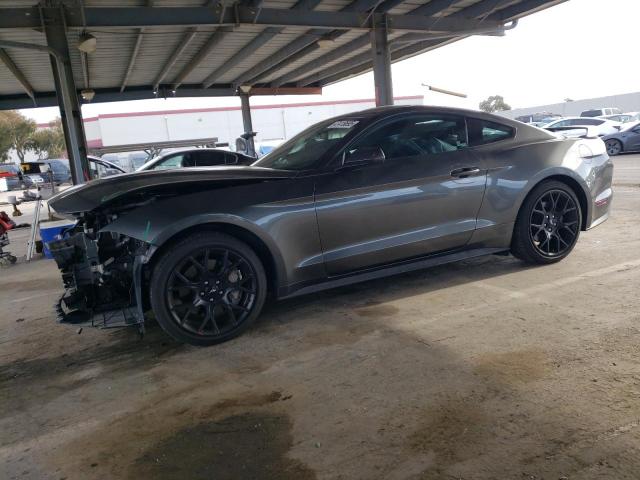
(42, 171)
(356, 197)
(102, 168)
(196, 157)
(599, 126)
(538, 119)
(599, 112)
(626, 140)
(14, 177)
(99, 168)
(623, 117)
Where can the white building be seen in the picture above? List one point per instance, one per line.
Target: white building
(627, 102)
(271, 122)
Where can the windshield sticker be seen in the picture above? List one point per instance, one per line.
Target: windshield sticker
(344, 124)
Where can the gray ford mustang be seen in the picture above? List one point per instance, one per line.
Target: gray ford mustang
(356, 197)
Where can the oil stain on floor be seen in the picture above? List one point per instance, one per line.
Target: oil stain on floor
(248, 445)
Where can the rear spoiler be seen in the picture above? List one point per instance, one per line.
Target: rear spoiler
(573, 132)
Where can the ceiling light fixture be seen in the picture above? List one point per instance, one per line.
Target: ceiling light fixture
(326, 42)
(87, 43)
(87, 94)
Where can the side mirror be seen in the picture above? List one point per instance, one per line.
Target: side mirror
(363, 156)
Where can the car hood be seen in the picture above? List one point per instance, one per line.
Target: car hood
(97, 193)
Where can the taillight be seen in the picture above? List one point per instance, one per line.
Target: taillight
(7, 174)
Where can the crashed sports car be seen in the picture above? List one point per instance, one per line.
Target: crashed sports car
(353, 198)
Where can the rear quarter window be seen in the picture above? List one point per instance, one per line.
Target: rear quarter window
(482, 132)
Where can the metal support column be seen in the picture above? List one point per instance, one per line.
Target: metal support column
(70, 113)
(381, 64)
(247, 124)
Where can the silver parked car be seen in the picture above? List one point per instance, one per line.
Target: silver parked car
(626, 140)
(599, 126)
(356, 197)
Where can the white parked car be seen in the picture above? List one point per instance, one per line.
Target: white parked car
(623, 117)
(598, 126)
(599, 112)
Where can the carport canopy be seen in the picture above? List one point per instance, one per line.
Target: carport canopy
(61, 52)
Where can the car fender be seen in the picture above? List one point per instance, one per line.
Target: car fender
(160, 234)
(560, 172)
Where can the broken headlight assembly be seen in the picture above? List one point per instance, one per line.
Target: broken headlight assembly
(102, 276)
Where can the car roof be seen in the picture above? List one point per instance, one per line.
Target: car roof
(379, 112)
(193, 149)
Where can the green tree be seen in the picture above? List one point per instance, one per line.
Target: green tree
(49, 142)
(6, 144)
(494, 103)
(19, 131)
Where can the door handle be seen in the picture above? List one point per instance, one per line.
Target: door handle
(465, 172)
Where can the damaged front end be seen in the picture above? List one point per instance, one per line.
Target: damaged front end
(102, 276)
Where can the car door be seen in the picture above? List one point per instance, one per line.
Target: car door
(422, 198)
(632, 138)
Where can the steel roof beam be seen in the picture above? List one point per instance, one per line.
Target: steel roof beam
(212, 42)
(177, 53)
(302, 46)
(381, 55)
(132, 59)
(134, 53)
(70, 112)
(140, 17)
(49, 99)
(250, 48)
(252, 75)
(17, 73)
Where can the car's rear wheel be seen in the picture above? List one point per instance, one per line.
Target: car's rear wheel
(548, 224)
(207, 288)
(614, 147)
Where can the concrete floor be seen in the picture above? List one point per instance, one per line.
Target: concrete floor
(483, 369)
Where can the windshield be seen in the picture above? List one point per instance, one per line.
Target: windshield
(306, 148)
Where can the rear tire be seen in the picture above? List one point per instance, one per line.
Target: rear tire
(548, 224)
(614, 147)
(207, 288)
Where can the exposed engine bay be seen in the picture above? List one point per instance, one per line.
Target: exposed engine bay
(102, 275)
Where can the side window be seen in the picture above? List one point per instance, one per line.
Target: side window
(482, 132)
(174, 161)
(209, 158)
(591, 121)
(416, 135)
(230, 159)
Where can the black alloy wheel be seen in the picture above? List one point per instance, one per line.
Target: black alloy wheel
(614, 147)
(554, 223)
(208, 289)
(548, 224)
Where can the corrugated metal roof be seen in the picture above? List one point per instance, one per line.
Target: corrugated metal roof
(108, 65)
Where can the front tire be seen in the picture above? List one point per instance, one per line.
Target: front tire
(548, 224)
(208, 288)
(614, 147)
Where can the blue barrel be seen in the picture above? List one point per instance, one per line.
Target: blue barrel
(50, 231)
